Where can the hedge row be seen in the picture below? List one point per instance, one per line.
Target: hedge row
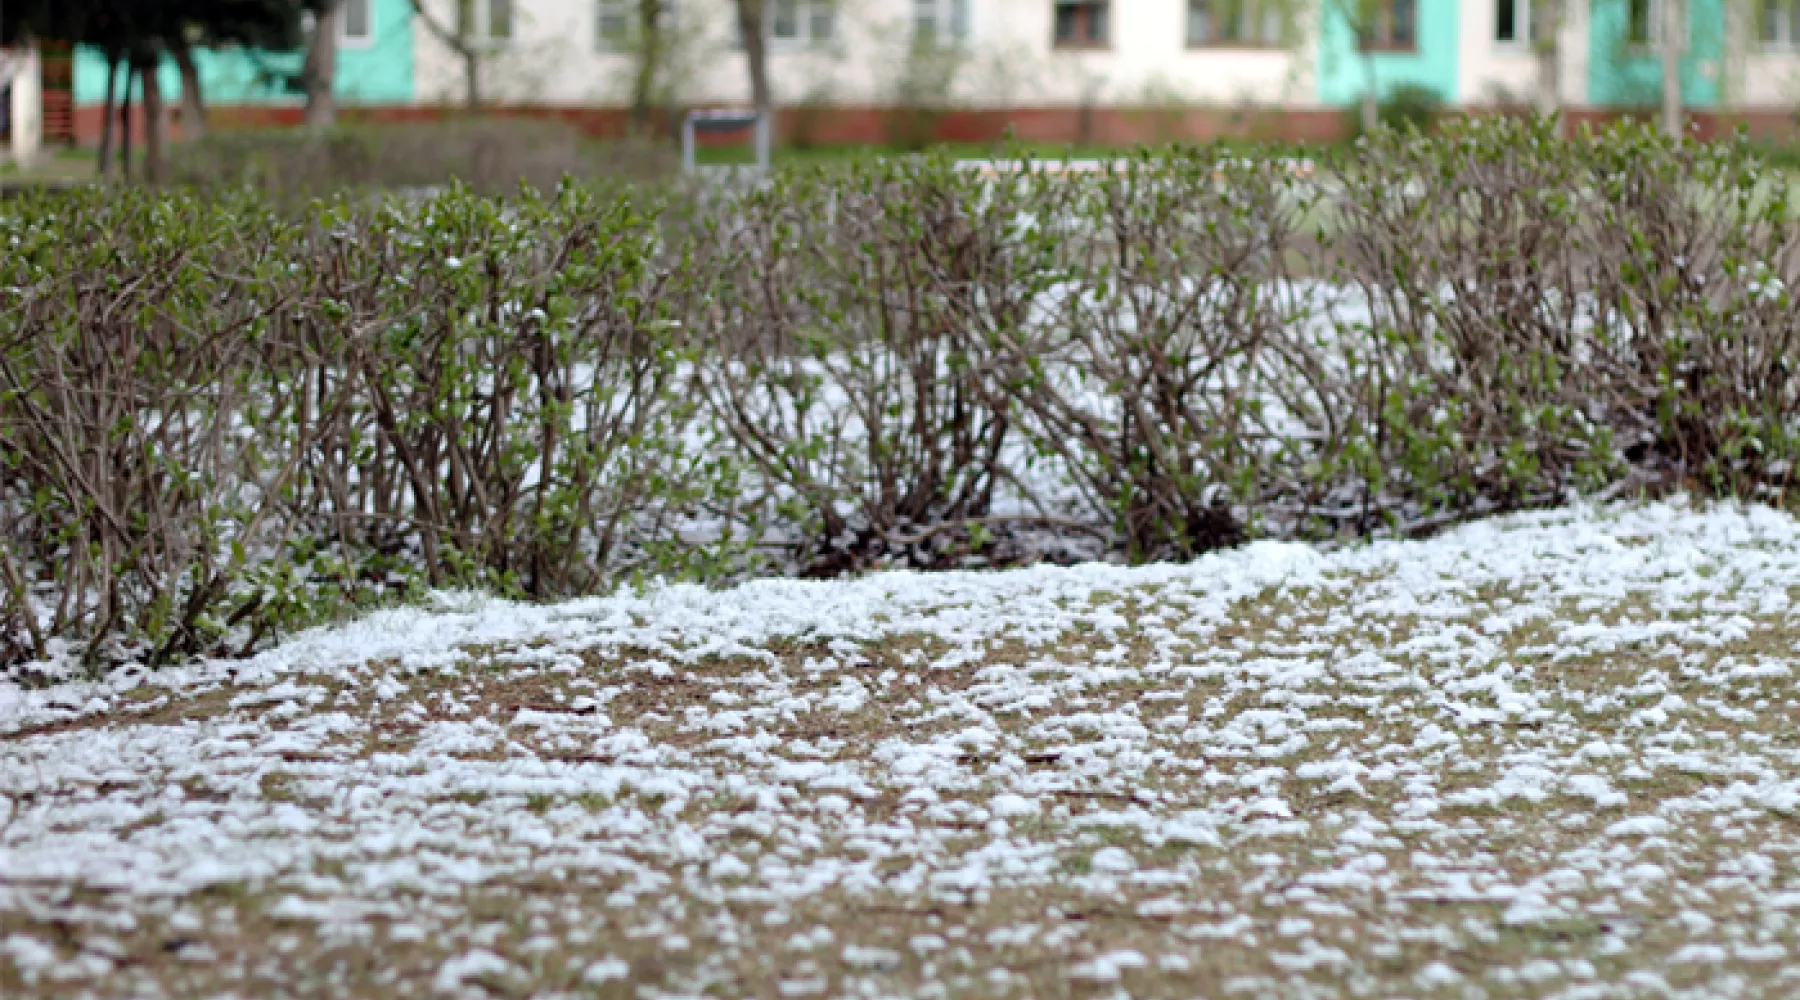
(220, 423)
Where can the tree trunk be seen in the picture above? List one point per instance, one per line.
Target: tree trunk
(125, 124)
(193, 102)
(462, 39)
(756, 53)
(1674, 37)
(643, 88)
(1547, 19)
(320, 71)
(1371, 99)
(109, 109)
(471, 75)
(1549, 83)
(466, 43)
(154, 121)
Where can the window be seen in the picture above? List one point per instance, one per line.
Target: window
(1512, 19)
(617, 22)
(612, 23)
(1081, 23)
(357, 22)
(1780, 23)
(1234, 22)
(800, 20)
(1514, 23)
(1643, 22)
(941, 20)
(791, 22)
(493, 20)
(1395, 25)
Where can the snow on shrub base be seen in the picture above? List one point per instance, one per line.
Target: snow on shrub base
(220, 424)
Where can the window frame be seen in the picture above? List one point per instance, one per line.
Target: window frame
(1251, 10)
(806, 14)
(1086, 8)
(939, 9)
(603, 9)
(1385, 19)
(1524, 26)
(628, 8)
(367, 38)
(1789, 13)
(1653, 15)
(483, 13)
(512, 22)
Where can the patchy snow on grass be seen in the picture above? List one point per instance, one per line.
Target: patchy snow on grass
(1546, 755)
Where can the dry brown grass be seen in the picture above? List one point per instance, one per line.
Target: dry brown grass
(1256, 912)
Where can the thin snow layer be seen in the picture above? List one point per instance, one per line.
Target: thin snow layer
(1546, 755)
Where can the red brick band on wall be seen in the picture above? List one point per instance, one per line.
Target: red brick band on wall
(872, 125)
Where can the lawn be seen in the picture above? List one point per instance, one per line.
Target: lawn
(731, 153)
(55, 167)
(1550, 755)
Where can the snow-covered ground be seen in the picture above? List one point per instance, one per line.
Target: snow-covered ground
(1549, 755)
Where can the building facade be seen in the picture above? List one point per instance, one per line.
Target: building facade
(1287, 66)
(374, 69)
(1100, 70)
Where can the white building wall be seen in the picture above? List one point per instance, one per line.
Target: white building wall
(1489, 72)
(555, 59)
(1492, 73)
(1770, 79)
(1149, 61)
(1758, 76)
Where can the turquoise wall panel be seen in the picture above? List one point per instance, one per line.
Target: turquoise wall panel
(1622, 73)
(379, 71)
(1432, 63)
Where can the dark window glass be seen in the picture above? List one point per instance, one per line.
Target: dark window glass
(1081, 22)
(1506, 21)
(1405, 32)
(1637, 28)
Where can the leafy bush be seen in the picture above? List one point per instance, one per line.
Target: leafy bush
(838, 371)
(1545, 318)
(215, 419)
(1410, 107)
(1472, 320)
(1693, 257)
(219, 422)
(1141, 368)
(140, 481)
(510, 370)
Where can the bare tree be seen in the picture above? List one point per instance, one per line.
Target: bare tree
(1546, 45)
(1674, 43)
(753, 28)
(131, 73)
(462, 39)
(1678, 37)
(109, 111)
(155, 115)
(320, 70)
(924, 85)
(651, 51)
(1362, 18)
(193, 104)
(1743, 20)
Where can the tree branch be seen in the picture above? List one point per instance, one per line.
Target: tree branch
(438, 31)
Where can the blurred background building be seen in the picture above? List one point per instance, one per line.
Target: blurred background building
(1084, 71)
